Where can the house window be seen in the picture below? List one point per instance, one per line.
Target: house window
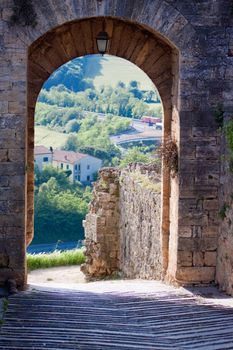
(79, 167)
(76, 167)
(88, 167)
(45, 159)
(78, 177)
(88, 177)
(61, 165)
(67, 166)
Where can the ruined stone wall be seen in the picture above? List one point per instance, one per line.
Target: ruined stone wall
(101, 227)
(123, 227)
(140, 223)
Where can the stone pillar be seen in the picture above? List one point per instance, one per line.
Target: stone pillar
(13, 75)
(101, 227)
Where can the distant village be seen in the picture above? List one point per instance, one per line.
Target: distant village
(82, 167)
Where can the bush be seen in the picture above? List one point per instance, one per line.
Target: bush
(169, 154)
(228, 132)
(134, 155)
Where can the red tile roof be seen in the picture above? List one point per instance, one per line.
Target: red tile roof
(68, 156)
(41, 150)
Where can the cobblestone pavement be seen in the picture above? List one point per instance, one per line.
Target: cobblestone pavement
(118, 315)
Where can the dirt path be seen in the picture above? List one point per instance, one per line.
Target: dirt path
(61, 274)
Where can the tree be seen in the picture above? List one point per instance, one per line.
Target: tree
(71, 143)
(49, 172)
(134, 155)
(134, 89)
(59, 211)
(120, 85)
(72, 126)
(149, 95)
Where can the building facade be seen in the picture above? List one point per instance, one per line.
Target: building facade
(83, 167)
(43, 157)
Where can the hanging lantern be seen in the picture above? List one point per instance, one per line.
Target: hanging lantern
(102, 41)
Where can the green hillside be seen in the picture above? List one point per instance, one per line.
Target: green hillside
(48, 137)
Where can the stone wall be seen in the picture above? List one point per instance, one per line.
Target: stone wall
(140, 223)
(123, 227)
(224, 270)
(101, 227)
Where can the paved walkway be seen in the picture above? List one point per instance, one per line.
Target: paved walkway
(120, 315)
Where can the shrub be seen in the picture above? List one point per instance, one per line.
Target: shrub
(228, 132)
(169, 154)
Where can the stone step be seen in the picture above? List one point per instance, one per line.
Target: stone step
(58, 319)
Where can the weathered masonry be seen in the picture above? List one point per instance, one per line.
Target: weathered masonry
(186, 48)
(122, 228)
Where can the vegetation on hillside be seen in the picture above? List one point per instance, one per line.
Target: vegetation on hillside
(69, 105)
(72, 75)
(60, 207)
(135, 155)
(59, 105)
(93, 137)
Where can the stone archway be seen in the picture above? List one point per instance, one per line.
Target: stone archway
(129, 40)
(204, 60)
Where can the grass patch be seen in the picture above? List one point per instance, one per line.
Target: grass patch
(145, 182)
(57, 258)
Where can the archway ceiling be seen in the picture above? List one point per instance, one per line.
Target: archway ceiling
(74, 39)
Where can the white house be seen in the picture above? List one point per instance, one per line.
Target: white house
(43, 156)
(82, 166)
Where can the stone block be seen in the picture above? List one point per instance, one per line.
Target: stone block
(185, 231)
(198, 259)
(197, 244)
(4, 260)
(196, 231)
(199, 191)
(17, 107)
(194, 218)
(11, 232)
(208, 152)
(199, 167)
(3, 106)
(214, 218)
(185, 258)
(4, 181)
(203, 132)
(210, 231)
(195, 274)
(210, 258)
(207, 179)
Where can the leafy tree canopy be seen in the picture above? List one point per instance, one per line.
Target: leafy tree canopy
(134, 155)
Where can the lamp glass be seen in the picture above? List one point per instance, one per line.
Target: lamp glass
(102, 41)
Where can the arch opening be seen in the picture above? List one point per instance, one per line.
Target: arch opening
(155, 56)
